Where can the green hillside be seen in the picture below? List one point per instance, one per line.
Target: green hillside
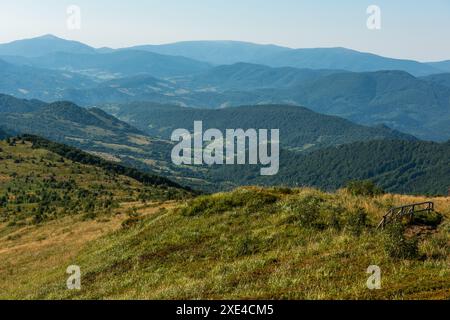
(92, 130)
(41, 180)
(247, 244)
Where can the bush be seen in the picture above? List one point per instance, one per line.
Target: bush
(364, 188)
(313, 211)
(248, 200)
(397, 246)
(356, 221)
(306, 211)
(432, 219)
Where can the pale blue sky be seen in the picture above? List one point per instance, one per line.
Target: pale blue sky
(410, 29)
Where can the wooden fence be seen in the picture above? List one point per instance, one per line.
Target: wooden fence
(408, 211)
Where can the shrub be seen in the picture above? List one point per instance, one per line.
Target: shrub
(313, 211)
(306, 211)
(247, 200)
(356, 221)
(432, 219)
(364, 188)
(397, 246)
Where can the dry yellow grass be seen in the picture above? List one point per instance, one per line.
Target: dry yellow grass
(28, 254)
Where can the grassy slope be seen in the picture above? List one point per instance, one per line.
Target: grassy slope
(39, 182)
(252, 243)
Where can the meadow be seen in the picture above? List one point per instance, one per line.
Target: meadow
(251, 243)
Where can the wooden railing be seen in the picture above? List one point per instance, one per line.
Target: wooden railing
(408, 211)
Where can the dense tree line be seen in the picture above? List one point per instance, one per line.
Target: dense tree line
(410, 167)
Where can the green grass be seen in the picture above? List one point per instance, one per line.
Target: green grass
(254, 244)
(38, 185)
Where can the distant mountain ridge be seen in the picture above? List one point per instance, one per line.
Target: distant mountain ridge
(114, 64)
(229, 52)
(43, 45)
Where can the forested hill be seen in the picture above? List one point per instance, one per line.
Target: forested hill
(300, 128)
(82, 157)
(409, 167)
(41, 180)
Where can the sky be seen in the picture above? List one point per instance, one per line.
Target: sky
(410, 29)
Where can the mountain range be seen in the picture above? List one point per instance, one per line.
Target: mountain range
(123, 104)
(417, 106)
(228, 52)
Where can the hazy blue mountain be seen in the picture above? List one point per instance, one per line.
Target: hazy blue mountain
(117, 64)
(12, 104)
(394, 98)
(300, 128)
(441, 65)
(345, 59)
(442, 79)
(44, 45)
(36, 83)
(229, 52)
(216, 52)
(247, 76)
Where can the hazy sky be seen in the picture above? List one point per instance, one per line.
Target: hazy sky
(409, 28)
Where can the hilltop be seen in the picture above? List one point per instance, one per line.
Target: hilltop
(247, 244)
